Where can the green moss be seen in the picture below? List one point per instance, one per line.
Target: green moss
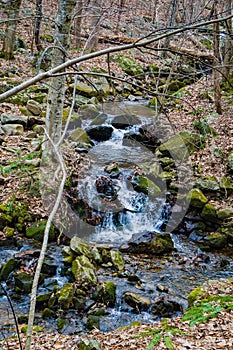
(65, 295)
(129, 65)
(36, 231)
(196, 294)
(209, 213)
(196, 198)
(6, 269)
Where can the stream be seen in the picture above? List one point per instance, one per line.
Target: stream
(118, 213)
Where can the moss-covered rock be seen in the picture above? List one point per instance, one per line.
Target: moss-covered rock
(89, 344)
(129, 65)
(80, 247)
(117, 259)
(145, 185)
(215, 240)
(226, 185)
(196, 198)
(36, 231)
(225, 213)
(208, 184)
(80, 136)
(6, 269)
(69, 255)
(195, 295)
(84, 271)
(106, 293)
(209, 213)
(180, 146)
(23, 282)
(65, 296)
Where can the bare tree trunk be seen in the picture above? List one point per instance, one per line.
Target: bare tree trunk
(39, 15)
(13, 7)
(172, 21)
(77, 24)
(228, 47)
(56, 93)
(96, 13)
(216, 64)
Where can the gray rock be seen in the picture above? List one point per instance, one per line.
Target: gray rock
(14, 119)
(136, 301)
(34, 107)
(13, 129)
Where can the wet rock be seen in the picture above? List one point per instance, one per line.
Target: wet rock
(65, 296)
(144, 137)
(105, 186)
(68, 255)
(84, 271)
(106, 293)
(93, 322)
(197, 198)
(117, 259)
(162, 288)
(96, 255)
(112, 169)
(145, 185)
(6, 269)
(99, 119)
(137, 302)
(80, 247)
(14, 119)
(215, 240)
(100, 132)
(209, 213)
(166, 307)
(149, 243)
(13, 129)
(23, 282)
(125, 120)
(49, 266)
(34, 107)
(180, 146)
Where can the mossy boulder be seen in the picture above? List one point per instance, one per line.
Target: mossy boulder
(196, 198)
(36, 231)
(226, 185)
(84, 89)
(145, 185)
(69, 255)
(34, 107)
(80, 247)
(112, 169)
(80, 136)
(14, 214)
(6, 269)
(23, 282)
(106, 293)
(117, 259)
(136, 301)
(195, 295)
(215, 240)
(208, 184)
(225, 213)
(65, 295)
(230, 161)
(181, 146)
(129, 65)
(84, 271)
(151, 243)
(209, 213)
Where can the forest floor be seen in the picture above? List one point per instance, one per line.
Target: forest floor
(213, 334)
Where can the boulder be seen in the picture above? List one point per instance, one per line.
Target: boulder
(143, 184)
(215, 240)
(23, 282)
(34, 107)
(129, 65)
(80, 136)
(100, 132)
(208, 184)
(112, 169)
(65, 295)
(226, 185)
(14, 119)
(84, 271)
(117, 259)
(181, 146)
(196, 198)
(125, 120)
(36, 231)
(6, 269)
(144, 137)
(166, 307)
(13, 129)
(225, 213)
(137, 302)
(80, 247)
(106, 293)
(209, 213)
(151, 243)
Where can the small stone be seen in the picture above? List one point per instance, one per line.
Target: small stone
(162, 288)
(34, 107)
(13, 129)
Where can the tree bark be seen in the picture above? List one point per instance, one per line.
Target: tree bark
(56, 93)
(228, 47)
(13, 7)
(216, 63)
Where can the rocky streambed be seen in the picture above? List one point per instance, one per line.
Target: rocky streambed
(144, 233)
